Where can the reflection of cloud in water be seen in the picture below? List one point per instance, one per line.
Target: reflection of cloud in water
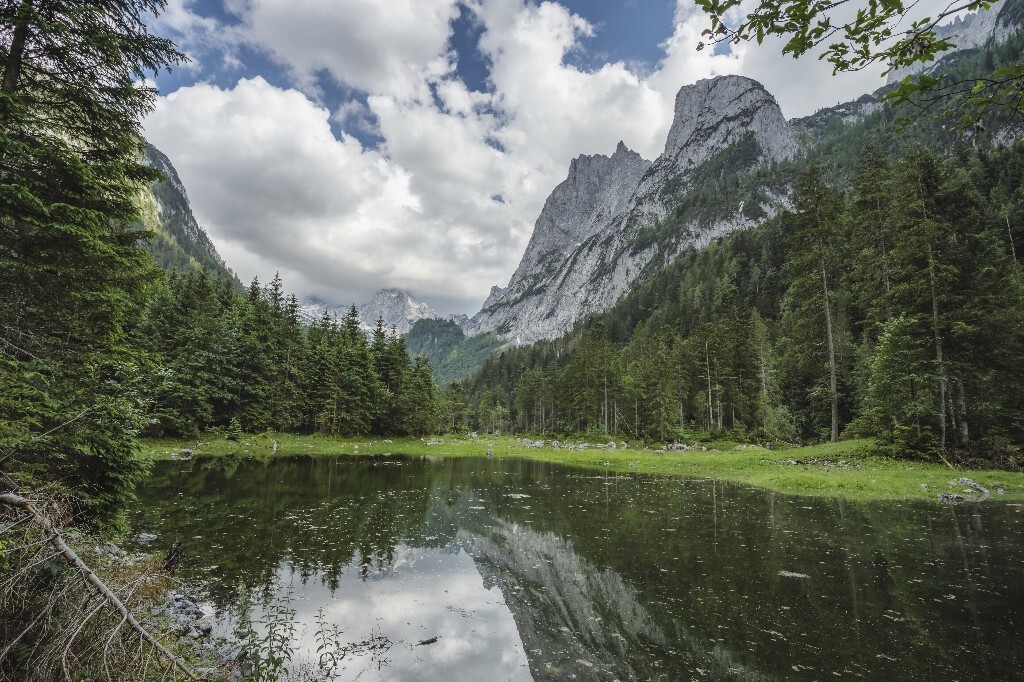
(423, 593)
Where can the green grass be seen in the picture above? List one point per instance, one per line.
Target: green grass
(845, 469)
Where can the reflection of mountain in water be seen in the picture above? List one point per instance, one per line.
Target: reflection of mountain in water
(577, 621)
(573, 618)
(618, 576)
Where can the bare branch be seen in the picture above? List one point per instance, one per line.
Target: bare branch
(69, 555)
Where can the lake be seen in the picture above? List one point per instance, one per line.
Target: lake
(495, 569)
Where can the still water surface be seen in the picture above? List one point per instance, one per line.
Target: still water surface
(525, 570)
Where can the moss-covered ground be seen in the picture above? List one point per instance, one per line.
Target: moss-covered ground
(846, 469)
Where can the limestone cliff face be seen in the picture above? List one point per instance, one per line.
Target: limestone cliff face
(596, 191)
(396, 308)
(712, 115)
(588, 246)
(584, 206)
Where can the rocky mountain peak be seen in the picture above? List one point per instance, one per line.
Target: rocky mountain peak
(713, 117)
(965, 32)
(180, 242)
(715, 113)
(586, 251)
(597, 188)
(395, 306)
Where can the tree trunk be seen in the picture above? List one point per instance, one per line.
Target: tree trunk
(961, 404)
(711, 410)
(885, 278)
(1013, 249)
(606, 403)
(939, 362)
(832, 383)
(12, 69)
(764, 391)
(885, 262)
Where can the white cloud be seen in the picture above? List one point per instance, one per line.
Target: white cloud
(380, 47)
(195, 35)
(279, 191)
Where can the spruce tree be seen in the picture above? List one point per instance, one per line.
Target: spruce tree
(71, 268)
(813, 280)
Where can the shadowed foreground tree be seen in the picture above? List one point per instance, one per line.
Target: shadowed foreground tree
(73, 277)
(71, 266)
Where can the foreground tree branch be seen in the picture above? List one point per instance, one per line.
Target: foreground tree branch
(55, 538)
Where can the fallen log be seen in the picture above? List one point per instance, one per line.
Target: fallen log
(55, 538)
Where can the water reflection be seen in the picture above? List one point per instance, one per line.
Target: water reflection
(418, 596)
(526, 569)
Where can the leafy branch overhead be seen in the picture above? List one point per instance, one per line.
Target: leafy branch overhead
(853, 38)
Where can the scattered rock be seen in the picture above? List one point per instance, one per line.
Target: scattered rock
(113, 550)
(145, 538)
(173, 557)
(975, 486)
(950, 498)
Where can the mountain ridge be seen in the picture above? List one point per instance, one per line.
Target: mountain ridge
(396, 307)
(557, 283)
(179, 241)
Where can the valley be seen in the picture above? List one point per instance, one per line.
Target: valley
(748, 405)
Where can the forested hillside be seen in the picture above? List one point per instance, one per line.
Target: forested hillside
(177, 242)
(220, 359)
(888, 302)
(452, 355)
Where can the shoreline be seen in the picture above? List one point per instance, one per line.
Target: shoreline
(842, 470)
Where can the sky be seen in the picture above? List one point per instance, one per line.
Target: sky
(352, 145)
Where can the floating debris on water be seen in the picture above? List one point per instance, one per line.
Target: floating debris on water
(792, 574)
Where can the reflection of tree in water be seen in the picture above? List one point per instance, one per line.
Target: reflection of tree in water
(240, 520)
(641, 577)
